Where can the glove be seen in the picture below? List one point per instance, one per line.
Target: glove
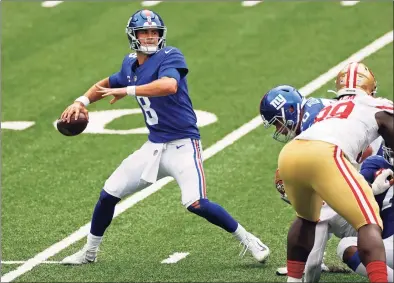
(280, 187)
(383, 181)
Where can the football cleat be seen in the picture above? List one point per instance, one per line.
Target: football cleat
(259, 251)
(81, 257)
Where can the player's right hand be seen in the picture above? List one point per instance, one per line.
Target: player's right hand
(77, 107)
(383, 181)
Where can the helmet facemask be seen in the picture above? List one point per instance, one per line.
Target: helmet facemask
(136, 45)
(388, 154)
(287, 129)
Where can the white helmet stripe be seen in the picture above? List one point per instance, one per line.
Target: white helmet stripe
(352, 75)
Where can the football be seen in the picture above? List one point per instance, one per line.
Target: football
(75, 127)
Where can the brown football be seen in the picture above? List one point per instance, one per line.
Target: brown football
(75, 127)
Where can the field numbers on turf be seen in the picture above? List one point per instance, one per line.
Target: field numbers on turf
(175, 257)
(99, 119)
(17, 125)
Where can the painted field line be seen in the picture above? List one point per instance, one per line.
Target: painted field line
(51, 4)
(174, 258)
(9, 262)
(208, 153)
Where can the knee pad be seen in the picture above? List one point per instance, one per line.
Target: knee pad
(106, 198)
(344, 244)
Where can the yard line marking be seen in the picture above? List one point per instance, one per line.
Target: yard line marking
(250, 3)
(211, 151)
(51, 4)
(23, 261)
(150, 3)
(174, 258)
(349, 3)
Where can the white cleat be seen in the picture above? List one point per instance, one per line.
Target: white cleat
(259, 251)
(81, 257)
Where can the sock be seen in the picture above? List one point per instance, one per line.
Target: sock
(377, 271)
(215, 214)
(295, 269)
(93, 242)
(390, 274)
(103, 213)
(356, 265)
(240, 233)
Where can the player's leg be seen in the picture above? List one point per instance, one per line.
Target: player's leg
(347, 192)
(183, 160)
(124, 181)
(347, 251)
(296, 166)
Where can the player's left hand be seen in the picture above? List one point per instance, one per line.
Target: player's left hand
(117, 93)
(382, 181)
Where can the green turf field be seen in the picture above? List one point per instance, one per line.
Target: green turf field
(50, 183)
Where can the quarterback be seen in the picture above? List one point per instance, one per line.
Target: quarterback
(155, 76)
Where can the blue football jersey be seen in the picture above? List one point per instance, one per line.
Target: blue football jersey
(385, 200)
(311, 107)
(168, 117)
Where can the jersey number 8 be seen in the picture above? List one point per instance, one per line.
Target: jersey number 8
(150, 113)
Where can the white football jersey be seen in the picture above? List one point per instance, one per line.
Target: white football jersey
(349, 123)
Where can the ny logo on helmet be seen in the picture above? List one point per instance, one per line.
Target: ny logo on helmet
(278, 101)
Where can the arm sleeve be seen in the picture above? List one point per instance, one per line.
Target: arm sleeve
(171, 73)
(174, 60)
(115, 80)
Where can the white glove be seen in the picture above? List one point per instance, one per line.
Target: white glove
(381, 184)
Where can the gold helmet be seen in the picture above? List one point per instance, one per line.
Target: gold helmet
(356, 78)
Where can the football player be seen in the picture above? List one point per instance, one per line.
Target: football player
(376, 171)
(290, 112)
(317, 166)
(155, 76)
(332, 223)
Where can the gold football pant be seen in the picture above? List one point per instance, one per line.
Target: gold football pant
(313, 171)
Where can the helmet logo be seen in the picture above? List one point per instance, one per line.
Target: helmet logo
(278, 101)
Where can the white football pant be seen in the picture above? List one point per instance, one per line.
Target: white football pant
(180, 159)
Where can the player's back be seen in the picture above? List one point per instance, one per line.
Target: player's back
(349, 123)
(369, 170)
(311, 108)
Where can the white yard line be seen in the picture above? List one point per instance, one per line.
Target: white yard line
(349, 3)
(174, 258)
(8, 262)
(208, 153)
(51, 4)
(250, 3)
(150, 3)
